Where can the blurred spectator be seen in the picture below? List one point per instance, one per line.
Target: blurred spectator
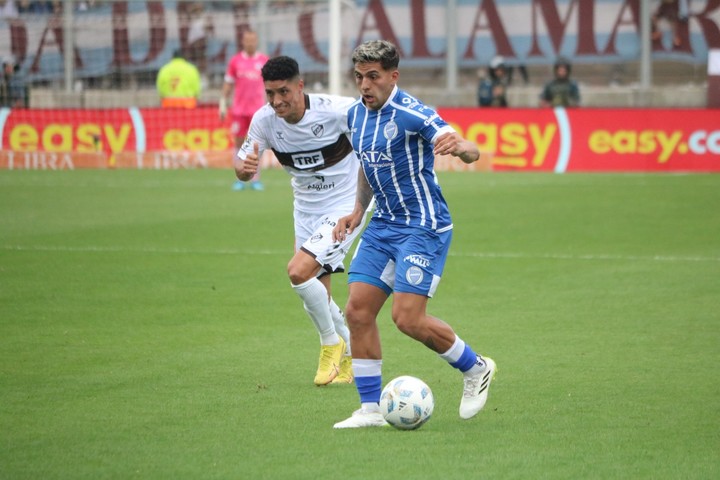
(28, 6)
(8, 9)
(675, 12)
(561, 91)
(178, 83)
(523, 73)
(83, 6)
(493, 86)
(200, 29)
(13, 86)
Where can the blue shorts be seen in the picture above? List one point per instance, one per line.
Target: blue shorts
(400, 259)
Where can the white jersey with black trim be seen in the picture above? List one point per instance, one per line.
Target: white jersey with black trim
(395, 147)
(316, 151)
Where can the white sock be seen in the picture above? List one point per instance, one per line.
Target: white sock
(464, 358)
(315, 301)
(340, 326)
(370, 407)
(453, 354)
(366, 367)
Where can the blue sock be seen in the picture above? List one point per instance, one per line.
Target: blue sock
(369, 388)
(466, 360)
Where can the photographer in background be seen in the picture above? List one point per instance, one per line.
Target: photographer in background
(492, 88)
(561, 91)
(14, 91)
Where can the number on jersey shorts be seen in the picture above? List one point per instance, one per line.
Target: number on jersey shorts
(400, 259)
(313, 233)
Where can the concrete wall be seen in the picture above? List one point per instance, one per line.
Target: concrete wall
(681, 96)
(591, 96)
(675, 85)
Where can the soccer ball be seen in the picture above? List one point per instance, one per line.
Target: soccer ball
(406, 403)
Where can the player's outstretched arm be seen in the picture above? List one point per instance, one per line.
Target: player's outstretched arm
(347, 224)
(455, 145)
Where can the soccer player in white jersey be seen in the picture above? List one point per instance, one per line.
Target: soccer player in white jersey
(308, 133)
(404, 247)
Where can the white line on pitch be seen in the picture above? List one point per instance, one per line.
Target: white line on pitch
(488, 255)
(580, 256)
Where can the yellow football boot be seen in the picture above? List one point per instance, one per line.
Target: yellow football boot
(346, 372)
(329, 363)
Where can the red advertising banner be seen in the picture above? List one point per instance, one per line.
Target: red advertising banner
(587, 140)
(551, 140)
(114, 138)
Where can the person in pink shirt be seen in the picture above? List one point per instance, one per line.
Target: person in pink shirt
(243, 75)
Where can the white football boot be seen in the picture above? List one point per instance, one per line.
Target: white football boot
(363, 418)
(475, 389)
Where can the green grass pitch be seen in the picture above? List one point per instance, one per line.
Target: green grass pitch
(148, 330)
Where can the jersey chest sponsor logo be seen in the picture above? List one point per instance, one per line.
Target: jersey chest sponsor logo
(308, 160)
(249, 74)
(319, 187)
(376, 159)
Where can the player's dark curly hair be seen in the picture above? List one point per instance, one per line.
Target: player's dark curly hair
(380, 51)
(280, 68)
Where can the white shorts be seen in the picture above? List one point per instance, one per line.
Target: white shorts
(313, 235)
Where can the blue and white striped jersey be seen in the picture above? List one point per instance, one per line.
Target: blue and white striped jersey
(395, 147)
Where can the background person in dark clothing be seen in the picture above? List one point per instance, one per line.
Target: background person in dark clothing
(13, 86)
(493, 86)
(561, 91)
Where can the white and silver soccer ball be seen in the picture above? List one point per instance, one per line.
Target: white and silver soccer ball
(406, 402)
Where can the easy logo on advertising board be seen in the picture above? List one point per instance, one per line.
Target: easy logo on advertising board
(588, 139)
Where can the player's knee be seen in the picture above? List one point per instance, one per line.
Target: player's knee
(356, 316)
(352, 315)
(406, 324)
(297, 276)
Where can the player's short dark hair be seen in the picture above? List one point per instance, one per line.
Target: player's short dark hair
(280, 68)
(380, 51)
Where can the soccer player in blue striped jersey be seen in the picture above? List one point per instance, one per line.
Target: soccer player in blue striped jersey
(404, 247)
